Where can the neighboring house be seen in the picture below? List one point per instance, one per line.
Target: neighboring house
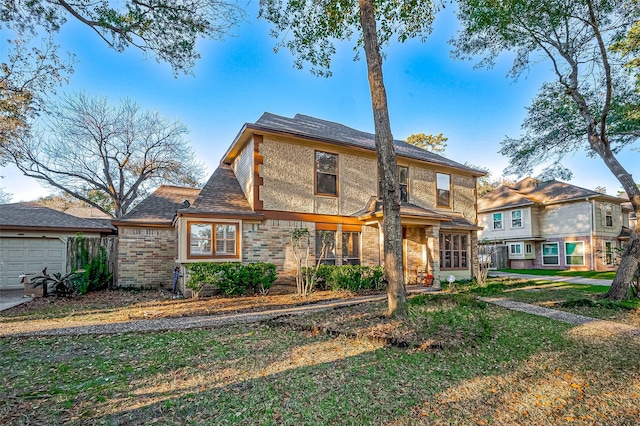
(554, 225)
(283, 173)
(33, 237)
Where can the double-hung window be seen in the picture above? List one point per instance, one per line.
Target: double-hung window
(326, 173)
(550, 254)
(608, 253)
(497, 221)
(516, 218)
(443, 188)
(608, 215)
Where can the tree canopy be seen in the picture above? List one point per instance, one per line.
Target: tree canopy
(589, 103)
(311, 30)
(107, 156)
(431, 143)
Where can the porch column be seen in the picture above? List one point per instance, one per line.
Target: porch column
(433, 253)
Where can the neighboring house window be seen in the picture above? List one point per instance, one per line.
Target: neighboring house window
(350, 248)
(516, 219)
(608, 215)
(497, 221)
(326, 173)
(403, 181)
(528, 248)
(443, 186)
(574, 253)
(453, 251)
(550, 254)
(326, 247)
(515, 248)
(608, 253)
(213, 239)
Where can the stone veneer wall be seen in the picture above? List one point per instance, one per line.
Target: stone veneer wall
(146, 257)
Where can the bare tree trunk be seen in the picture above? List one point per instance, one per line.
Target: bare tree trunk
(387, 165)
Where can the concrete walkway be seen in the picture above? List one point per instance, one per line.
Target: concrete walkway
(556, 278)
(183, 323)
(11, 298)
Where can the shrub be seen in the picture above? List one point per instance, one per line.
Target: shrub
(350, 277)
(232, 278)
(94, 274)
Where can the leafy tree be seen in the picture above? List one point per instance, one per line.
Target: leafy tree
(586, 107)
(165, 29)
(107, 156)
(310, 30)
(28, 75)
(431, 143)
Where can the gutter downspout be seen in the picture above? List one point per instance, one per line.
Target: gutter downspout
(593, 231)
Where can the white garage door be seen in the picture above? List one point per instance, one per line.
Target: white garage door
(29, 255)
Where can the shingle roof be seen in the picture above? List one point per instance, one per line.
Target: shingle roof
(31, 215)
(447, 220)
(531, 191)
(222, 194)
(160, 207)
(339, 134)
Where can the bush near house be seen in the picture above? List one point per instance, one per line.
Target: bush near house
(232, 278)
(350, 277)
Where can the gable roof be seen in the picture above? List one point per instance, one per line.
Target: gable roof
(160, 207)
(530, 191)
(222, 195)
(315, 129)
(32, 216)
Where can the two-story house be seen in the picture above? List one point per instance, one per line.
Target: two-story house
(283, 173)
(554, 225)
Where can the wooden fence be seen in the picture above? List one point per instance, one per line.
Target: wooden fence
(76, 259)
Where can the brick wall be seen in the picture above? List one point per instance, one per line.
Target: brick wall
(146, 257)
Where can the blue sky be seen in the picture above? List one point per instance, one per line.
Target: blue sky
(237, 80)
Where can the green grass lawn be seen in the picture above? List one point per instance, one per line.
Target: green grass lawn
(550, 272)
(468, 363)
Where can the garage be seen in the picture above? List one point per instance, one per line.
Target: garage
(33, 237)
(29, 255)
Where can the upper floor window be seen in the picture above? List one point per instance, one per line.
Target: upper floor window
(497, 221)
(350, 248)
(516, 218)
(213, 239)
(443, 187)
(326, 173)
(608, 215)
(326, 246)
(403, 182)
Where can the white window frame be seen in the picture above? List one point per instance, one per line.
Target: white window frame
(566, 255)
(608, 213)
(606, 253)
(514, 219)
(517, 246)
(557, 255)
(528, 248)
(494, 221)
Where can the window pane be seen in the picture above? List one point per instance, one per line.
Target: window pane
(326, 163)
(200, 231)
(226, 240)
(351, 244)
(443, 181)
(550, 260)
(403, 174)
(404, 195)
(516, 214)
(200, 239)
(326, 245)
(326, 184)
(443, 198)
(549, 249)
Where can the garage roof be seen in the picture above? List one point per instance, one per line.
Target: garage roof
(32, 216)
